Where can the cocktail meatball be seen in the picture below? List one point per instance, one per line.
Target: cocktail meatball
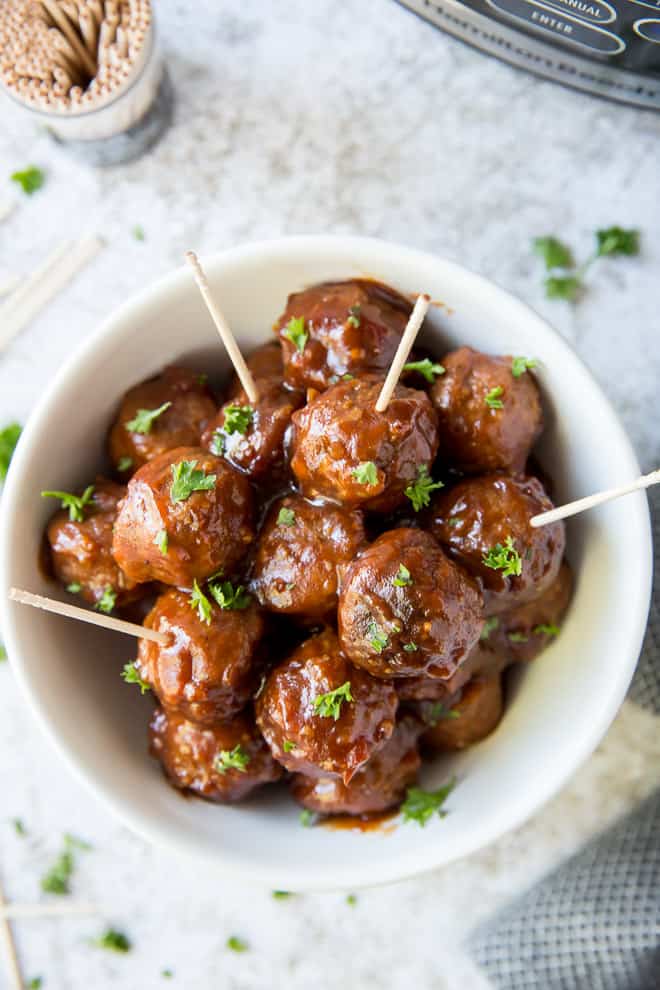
(380, 784)
(344, 450)
(223, 762)
(302, 549)
(167, 411)
(525, 631)
(208, 671)
(340, 328)
(80, 551)
(489, 418)
(186, 515)
(321, 716)
(490, 656)
(484, 524)
(476, 715)
(406, 609)
(251, 437)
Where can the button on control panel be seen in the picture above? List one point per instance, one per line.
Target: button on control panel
(566, 26)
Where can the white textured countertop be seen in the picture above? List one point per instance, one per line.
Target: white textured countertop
(324, 117)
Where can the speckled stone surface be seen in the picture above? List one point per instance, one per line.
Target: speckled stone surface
(290, 118)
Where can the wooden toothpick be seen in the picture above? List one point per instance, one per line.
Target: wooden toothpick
(227, 337)
(420, 310)
(11, 956)
(45, 910)
(86, 615)
(582, 504)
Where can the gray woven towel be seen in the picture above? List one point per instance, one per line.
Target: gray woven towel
(594, 922)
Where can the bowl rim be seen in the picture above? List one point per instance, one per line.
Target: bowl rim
(355, 875)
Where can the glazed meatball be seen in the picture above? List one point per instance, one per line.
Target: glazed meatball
(251, 437)
(406, 609)
(186, 515)
(208, 670)
(489, 418)
(301, 551)
(340, 328)
(525, 631)
(490, 656)
(223, 762)
(484, 524)
(477, 714)
(321, 716)
(81, 551)
(380, 784)
(142, 432)
(343, 450)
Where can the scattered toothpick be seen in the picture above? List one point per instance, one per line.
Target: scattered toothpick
(86, 615)
(420, 310)
(582, 504)
(11, 956)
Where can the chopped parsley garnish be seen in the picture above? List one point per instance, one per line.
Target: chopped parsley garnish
(420, 806)
(138, 232)
(34, 984)
(286, 517)
(113, 941)
(131, 676)
(410, 647)
(74, 503)
(554, 253)
(167, 974)
(74, 588)
(504, 557)
(186, 479)
(419, 492)
(378, 640)
(202, 378)
(429, 369)
(288, 746)
(29, 179)
(563, 287)
(546, 629)
(490, 625)
(347, 377)
(19, 827)
(493, 399)
(217, 445)
(351, 900)
(329, 705)
(107, 601)
(56, 881)
(231, 759)
(75, 842)
(439, 711)
(354, 316)
(517, 637)
(366, 473)
(306, 818)
(454, 521)
(3, 653)
(519, 365)
(9, 437)
(281, 895)
(238, 418)
(199, 601)
(616, 240)
(402, 578)
(124, 464)
(295, 332)
(162, 541)
(145, 418)
(237, 944)
(228, 597)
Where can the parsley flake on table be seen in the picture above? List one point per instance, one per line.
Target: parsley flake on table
(366, 473)
(145, 419)
(519, 365)
(131, 676)
(74, 503)
(288, 746)
(490, 625)
(295, 332)
(616, 241)
(546, 629)
(217, 445)
(286, 517)
(231, 759)
(378, 639)
(419, 492)
(167, 974)
(228, 597)
(29, 179)
(3, 653)
(439, 711)
(162, 541)
(107, 601)
(429, 369)
(563, 287)
(199, 601)
(493, 400)
(554, 253)
(329, 705)
(9, 437)
(354, 316)
(124, 464)
(402, 578)
(75, 842)
(351, 900)
(504, 557)
(281, 895)
(113, 941)
(34, 984)
(19, 827)
(56, 880)
(420, 806)
(238, 419)
(186, 479)
(237, 944)
(138, 232)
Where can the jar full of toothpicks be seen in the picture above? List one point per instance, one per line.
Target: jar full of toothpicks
(89, 71)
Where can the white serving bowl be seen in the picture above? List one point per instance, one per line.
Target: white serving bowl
(562, 703)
